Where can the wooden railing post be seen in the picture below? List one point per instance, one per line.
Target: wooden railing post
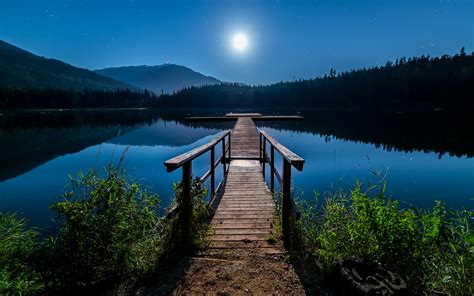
(260, 148)
(186, 204)
(272, 169)
(286, 202)
(223, 155)
(264, 152)
(213, 178)
(230, 147)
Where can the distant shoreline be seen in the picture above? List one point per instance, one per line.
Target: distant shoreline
(272, 111)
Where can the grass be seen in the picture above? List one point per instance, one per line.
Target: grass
(433, 250)
(109, 232)
(17, 246)
(272, 239)
(108, 227)
(199, 229)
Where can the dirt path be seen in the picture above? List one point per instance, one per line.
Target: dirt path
(241, 271)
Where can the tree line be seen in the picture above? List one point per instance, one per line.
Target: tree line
(419, 83)
(13, 98)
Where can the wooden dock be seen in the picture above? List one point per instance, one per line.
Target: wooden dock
(245, 140)
(253, 116)
(244, 215)
(242, 205)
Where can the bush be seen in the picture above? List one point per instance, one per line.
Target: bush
(432, 250)
(108, 229)
(17, 245)
(199, 230)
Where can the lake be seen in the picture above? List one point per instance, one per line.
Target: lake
(423, 157)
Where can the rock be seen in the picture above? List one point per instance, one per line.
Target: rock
(356, 277)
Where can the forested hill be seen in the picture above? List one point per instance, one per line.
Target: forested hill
(23, 70)
(165, 78)
(420, 83)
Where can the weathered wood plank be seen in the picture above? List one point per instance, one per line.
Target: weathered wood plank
(242, 231)
(244, 215)
(179, 160)
(240, 244)
(243, 225)
(244, 140)
(247, 209)
(239, 237)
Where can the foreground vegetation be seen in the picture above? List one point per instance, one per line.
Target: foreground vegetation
(109, 231)
(17, 246)
(432, 250)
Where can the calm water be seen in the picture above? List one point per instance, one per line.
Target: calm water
(39, 152)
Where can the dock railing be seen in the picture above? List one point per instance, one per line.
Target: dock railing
(288, 206)
(184, 161)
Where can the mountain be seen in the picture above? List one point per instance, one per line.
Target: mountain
(22, 69)
(163, 78)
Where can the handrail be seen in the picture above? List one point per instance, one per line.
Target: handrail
(185, 160)
(286, 153)
(294, 208)
(288, 206)
(178, 161)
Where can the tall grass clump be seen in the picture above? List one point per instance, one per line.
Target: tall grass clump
(17, 247)
(433, 250)
(108, 228)
(109, 232)
(199, 212)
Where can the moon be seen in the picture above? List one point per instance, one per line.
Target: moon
(240, 42)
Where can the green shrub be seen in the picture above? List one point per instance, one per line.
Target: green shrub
(108, 228)
(199, 230)
(432, 250)
(108, 231)
(17, 245)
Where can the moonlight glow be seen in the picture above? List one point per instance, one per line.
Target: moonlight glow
(240, 42)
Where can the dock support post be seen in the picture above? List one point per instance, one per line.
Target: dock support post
(230, 147)
(264, 152)
(213, 178)
(272, 169)
(186, 204)
(286, 203)
(223, 156)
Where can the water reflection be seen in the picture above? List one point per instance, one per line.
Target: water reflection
(39, 150)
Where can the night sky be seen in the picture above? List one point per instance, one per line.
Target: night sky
(287, 40)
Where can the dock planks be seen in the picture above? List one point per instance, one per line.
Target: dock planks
(244, 214)
(245, 142)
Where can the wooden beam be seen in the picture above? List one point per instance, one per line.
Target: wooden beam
(286, 202)
(287, 154)
(272, 169)
(177, 161)
(213, 175)
(186, 205)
